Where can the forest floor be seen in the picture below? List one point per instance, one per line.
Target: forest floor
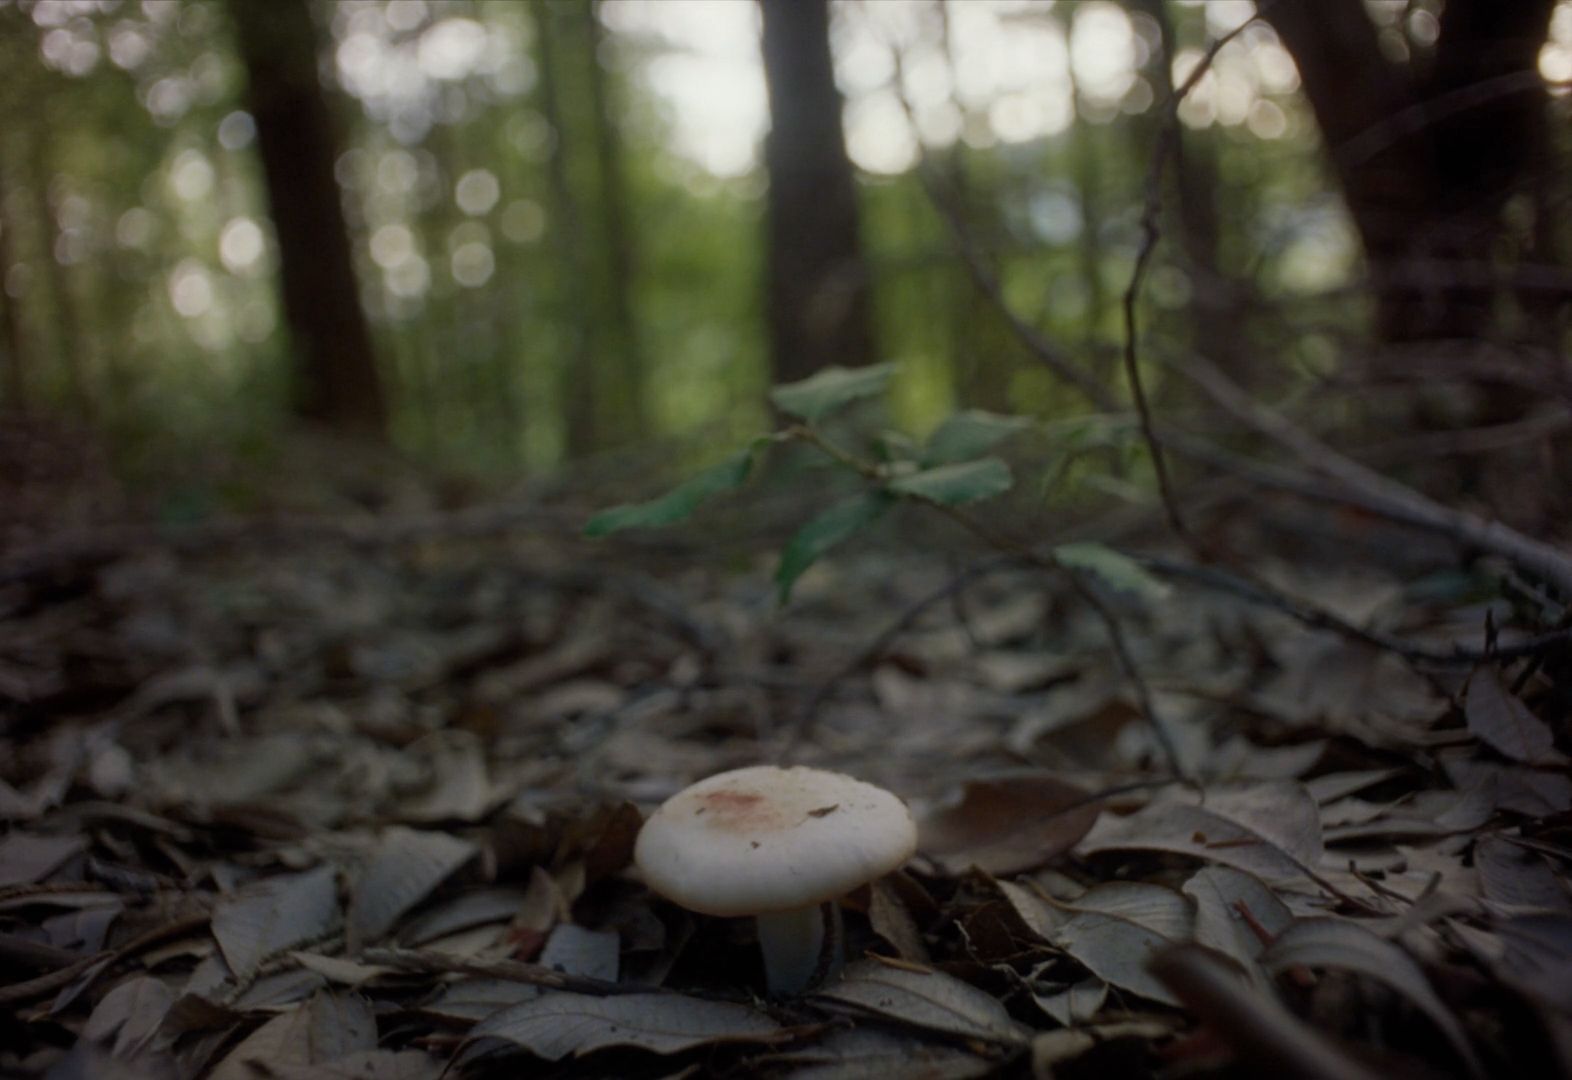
(362, 802)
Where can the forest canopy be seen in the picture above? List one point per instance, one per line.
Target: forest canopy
(555, 210)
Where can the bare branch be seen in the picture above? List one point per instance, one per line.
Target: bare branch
(1151, 232)
(1378, 493)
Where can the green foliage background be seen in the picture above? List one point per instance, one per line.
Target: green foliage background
(94, 158)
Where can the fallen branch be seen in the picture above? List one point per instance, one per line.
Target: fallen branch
(1320, 619)
(1375, 492)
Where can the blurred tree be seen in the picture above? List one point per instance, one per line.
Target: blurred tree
(618, 242)
(817, 289)
(593, 228)
(577, 380)
(1429, 150)
(336, 373)
(71, 332)
(13, 345)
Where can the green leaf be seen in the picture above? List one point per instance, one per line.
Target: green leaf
(1117, 570)
(952, 485)
(967, 434)
(893, 446)
(1092, 431)
(824, 532)
(680, 502)
(825, 391)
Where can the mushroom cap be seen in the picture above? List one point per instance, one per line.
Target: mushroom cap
(765, 839)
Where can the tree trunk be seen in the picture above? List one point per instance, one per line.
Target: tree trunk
(1427, 159)
(70, 336)
(619, 248)
(13, 342)
(336, 371)
(817, 288)
(576, 396)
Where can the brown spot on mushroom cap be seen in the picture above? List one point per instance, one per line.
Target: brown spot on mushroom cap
(738, 810)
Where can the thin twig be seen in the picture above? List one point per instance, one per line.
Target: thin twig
(876, 648)
(1151, 232)
(1143, 693)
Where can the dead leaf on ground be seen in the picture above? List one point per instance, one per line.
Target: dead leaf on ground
(274, 915)
(576, 950)
(478, 907)
(405, 867)
(1236, 914)
(1518, 879)
(471, 1000)
(1537, 957)
(1339, 943)
(927, 1000)
(1007, 824)
(26, 858)
(1530, 792)
(1499, 717)
(129, 1017)
(324, 1029)
(558, 1025)
(1270, 829)
(1117, 951)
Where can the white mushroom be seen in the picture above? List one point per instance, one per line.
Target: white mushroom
(776, 844)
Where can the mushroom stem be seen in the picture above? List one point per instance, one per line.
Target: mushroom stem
(793, 944)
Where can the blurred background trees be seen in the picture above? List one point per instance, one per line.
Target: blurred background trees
(335, 370)
(569, 227)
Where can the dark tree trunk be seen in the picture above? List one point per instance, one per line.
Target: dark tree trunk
(1427, 155)
(13, 344)
(70, 336)
(817, 289)
(336, 373)
(577, 396)
(619, 246)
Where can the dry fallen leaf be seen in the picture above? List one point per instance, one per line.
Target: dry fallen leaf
(1339, 943)
(1007, 824)
(1271, 829)
(928, 1000)
(324, 1029)
(404, 868)
(558, 1024)
(1499, 717)
(274, 915)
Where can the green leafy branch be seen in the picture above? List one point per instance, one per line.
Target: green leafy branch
(954, 467)
(951, 469)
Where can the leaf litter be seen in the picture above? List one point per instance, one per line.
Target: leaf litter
(327, 811)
